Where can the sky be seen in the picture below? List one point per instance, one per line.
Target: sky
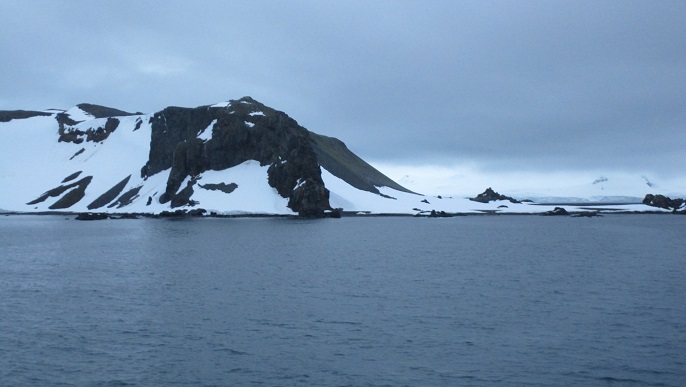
(443, 95)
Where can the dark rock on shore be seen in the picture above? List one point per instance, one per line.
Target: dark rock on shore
(172, 214)
(556, 211)
(490, 195)
(665, 202)
(310, 199)
(439, 214)
(587, 214)
(91, 216)
(335, 213)
(197, 212)
(433, 214)
(182, 213)
(125, 216)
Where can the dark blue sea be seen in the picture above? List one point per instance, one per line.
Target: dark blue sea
(382, 301)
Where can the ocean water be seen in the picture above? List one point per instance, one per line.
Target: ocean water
(475, 300)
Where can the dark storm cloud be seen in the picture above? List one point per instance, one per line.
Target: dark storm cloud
(532, 85)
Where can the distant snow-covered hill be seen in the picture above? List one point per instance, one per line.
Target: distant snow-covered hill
(604, 189)
(235, 157)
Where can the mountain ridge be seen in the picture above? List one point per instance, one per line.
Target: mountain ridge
(188, 142)
(238, 157)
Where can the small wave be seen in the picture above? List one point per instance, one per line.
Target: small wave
(114, 383)
(610, 379)
(231, 351)
(338, 322)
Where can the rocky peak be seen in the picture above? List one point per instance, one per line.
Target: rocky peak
(241, 130)
(98, 111)
(490, 195)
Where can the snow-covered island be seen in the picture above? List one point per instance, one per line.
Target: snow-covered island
(234, 158)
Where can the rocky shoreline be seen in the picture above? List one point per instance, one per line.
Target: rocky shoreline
(559, 211)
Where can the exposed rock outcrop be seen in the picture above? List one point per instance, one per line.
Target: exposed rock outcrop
(556, 211)
(490, 195)
(587, 214)
(223, 187)
(78, 190)
(335, 156)
(244, 130)
(665, 202)
(71, 177)
(109, 195)
(439, 214)
(77, 136)
(91, 216)
(126, 198)
(98, 111)
(9, 115)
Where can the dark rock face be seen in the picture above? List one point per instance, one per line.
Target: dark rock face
(665, 202)
(223, 187)
(77, 153)
(171, 127)
(102, 111)
(63, 120)
(245, 130)
(310, 199)
(9, 115)
(78, 190)
(74, 196)
(70, 134)
(183, 197)
(335, 156)
(490, 195)
(189, 159)
(109, 195)
(71, 177)
(126, 198)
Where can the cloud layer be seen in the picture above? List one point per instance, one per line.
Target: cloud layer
(545, 86)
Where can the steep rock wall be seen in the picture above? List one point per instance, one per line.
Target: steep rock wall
(243, 130)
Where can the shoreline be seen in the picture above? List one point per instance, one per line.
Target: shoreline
(587, 212)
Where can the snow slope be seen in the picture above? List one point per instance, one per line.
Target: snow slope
(30, 145)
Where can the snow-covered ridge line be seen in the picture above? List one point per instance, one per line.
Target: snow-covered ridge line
(201, 163)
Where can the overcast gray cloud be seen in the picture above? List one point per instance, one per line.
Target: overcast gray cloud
(533, 85)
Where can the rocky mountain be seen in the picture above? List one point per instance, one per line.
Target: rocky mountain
(489, 195)
(235, 157)
(661, 201)
(185, 146)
